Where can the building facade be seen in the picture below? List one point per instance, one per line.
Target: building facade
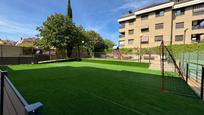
(175, 22)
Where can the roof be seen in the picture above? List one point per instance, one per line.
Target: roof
(187, 3)
(152, 5)
(148, 8)
(127, 15)
(27, 42)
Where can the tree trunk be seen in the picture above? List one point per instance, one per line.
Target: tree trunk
(79, 56)
(69, 51)
(49, 54)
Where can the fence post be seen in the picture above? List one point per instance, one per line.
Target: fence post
(202, 81)
(187, 70)
(3, 74)
(162, 64)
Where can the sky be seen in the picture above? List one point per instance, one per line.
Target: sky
(19, 18)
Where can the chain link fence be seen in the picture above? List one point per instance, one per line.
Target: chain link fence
(147, 55)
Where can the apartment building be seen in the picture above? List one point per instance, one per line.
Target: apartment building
(175, 22)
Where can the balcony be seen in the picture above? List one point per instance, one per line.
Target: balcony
(122, 43)
(197, 27)
(198, 13)
(121, 36)
(198, 10)
(198, 24)
(122, 27)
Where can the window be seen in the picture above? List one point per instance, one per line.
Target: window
(179, 38)
(144, 39)
(198, 9)
(122, 43)
(131, 32)
(159, 26)
(131, 42)
(145, 28)
(179, 25)
(179, 12)
(160, 13)
(198, 24)
(131, 22)
(144, 16)
(158, 38)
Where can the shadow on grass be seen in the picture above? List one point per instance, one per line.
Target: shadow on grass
(74, 90)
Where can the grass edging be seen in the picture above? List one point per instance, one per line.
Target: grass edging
(59, 60)
(114, 62)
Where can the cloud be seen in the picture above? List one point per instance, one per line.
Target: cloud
(12, 27)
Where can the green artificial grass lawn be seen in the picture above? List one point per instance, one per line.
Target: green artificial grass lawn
(87, 88)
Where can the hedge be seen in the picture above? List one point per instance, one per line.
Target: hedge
(177, 49)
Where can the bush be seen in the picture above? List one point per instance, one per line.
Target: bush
(126, 51)
(176, 49)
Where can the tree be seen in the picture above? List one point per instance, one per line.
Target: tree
(79, 37)
(70, 18)
(108, 44)
(58, 31)
(42, 43)
(91, 38)
(69, 10)
(71, 32)
(99, 46)
(53, 31)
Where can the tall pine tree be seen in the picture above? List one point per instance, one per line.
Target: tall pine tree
(69, 16)
(69, 10)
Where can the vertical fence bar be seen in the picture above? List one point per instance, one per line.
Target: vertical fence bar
(2, 93)
(187, 70)
(3, 74)
(202, 81)
(197, 58)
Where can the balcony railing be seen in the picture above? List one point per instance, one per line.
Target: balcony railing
(121, 36)
(197, 27)
(122, 45)
(121, 27)
(198, 13)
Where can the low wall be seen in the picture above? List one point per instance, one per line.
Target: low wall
(23, 60)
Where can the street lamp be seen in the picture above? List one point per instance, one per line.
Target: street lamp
(79, 53)
(184, 42)
(141, 36)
